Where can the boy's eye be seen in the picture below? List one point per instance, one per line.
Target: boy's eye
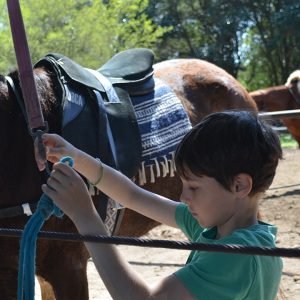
(193, 188)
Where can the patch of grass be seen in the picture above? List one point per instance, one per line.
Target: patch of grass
(287, 141)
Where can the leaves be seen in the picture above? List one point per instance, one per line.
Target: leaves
(257, 41)
(89, 32)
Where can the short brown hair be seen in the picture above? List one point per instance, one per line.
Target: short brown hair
(228, 143)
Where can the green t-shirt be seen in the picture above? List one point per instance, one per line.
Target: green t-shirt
(222, 276)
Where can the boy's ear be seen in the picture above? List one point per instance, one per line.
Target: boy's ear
(242, 184)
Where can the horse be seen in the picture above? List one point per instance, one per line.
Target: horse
(282, 97)
(201, 87)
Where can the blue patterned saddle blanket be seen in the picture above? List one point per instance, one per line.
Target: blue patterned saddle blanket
(162, 123)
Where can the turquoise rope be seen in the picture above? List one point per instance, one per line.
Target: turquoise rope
(27, 253)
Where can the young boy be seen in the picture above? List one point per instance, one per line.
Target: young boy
(226, 163)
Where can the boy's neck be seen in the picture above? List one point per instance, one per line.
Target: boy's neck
(227, 229)
(244, 217)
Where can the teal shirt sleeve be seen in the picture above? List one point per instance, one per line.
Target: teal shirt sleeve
(187, 223)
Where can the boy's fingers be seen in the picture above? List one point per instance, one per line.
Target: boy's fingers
(48, 190)
(58, 180)
(52, 183)
(64, 169)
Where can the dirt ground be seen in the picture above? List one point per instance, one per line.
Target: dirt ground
(280, 206)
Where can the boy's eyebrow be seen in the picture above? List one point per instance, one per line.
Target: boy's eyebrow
(188, 178)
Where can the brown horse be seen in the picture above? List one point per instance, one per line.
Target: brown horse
(283, 97)
(61, 266)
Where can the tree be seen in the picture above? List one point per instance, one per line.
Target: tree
(273, 40)
(256, 41)
(89, 32)
(206, 29)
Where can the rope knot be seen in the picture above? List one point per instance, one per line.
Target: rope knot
(47, 208)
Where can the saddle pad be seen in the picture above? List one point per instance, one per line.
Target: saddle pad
(162, 122)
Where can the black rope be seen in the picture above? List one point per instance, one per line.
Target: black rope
(181, 245)
(284, 186)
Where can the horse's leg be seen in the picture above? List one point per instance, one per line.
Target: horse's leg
(9, 258)
(64, 269)
(9, 265)
(47, 292)
(8, 268)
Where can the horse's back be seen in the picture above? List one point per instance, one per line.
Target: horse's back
(203, 87)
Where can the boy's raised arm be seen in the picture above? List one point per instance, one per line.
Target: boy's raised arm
(123, 190)
(112, 183)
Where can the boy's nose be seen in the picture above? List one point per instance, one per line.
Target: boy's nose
(185, 198)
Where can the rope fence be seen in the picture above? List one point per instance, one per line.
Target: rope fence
(180, 245)
(293, 113)
(284, 186)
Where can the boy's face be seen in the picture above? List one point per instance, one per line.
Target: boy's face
(208, 201)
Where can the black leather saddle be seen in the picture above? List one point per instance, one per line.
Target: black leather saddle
(96, 122)
(131, 70)
(131, 74)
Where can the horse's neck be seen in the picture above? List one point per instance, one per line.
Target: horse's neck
(272, 99)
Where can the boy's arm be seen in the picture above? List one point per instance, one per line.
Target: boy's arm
(67, 189)
(112, 183)
(123, 190)
(119, 277)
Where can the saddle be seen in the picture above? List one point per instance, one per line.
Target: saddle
(98, 116)
(131, 70)
(131, 74)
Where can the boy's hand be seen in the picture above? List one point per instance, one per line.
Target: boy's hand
(69, 192)
(56, 148)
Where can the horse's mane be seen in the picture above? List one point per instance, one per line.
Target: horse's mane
(3, 88)
(45, 86)
(294, 76)
(46, 89)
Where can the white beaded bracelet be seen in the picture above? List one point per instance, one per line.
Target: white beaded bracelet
(100, 175)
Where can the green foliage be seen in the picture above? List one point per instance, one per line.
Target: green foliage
(7, 58)
(287, 141)
(257, 41)
(89, 32)
(273, 42)
(207, 29)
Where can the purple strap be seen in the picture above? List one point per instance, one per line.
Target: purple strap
(32, 104)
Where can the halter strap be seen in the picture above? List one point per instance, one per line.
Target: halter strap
(13, 87)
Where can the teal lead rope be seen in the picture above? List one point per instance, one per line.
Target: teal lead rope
(27, 253)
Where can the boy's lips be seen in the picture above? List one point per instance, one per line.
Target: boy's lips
(192, 213)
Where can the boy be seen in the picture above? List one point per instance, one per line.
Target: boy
(226, 162)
